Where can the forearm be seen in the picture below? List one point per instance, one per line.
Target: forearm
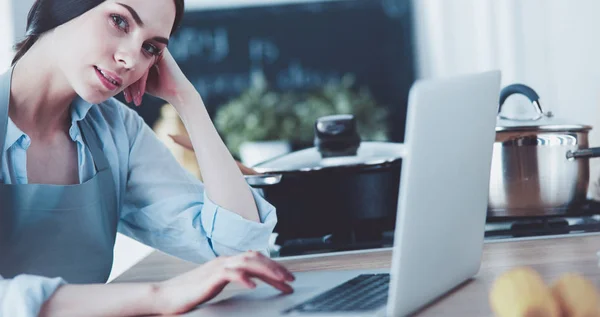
(102, 300)
(224, 182)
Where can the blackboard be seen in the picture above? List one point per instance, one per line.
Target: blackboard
(301, 46)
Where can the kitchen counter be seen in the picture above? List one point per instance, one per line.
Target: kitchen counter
(550, 256)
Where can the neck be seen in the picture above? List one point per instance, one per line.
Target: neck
(40, 96)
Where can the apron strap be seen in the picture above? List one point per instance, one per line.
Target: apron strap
(5, 80)
(91, 139)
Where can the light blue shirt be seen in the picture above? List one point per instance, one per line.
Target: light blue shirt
(162, 205)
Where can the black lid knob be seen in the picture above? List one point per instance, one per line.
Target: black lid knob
(336, 135)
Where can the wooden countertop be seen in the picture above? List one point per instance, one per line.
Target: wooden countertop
(550, 257)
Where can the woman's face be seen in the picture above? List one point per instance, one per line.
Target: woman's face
(111, 46)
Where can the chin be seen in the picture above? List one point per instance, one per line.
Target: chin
(90, 91)
(92, 95)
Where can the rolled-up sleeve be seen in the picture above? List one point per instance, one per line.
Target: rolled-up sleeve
(24, 295)
(166, 207)
(231, 233)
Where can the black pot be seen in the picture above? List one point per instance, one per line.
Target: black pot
(342, 188)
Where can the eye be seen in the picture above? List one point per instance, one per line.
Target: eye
(120, 22)
(151, 49)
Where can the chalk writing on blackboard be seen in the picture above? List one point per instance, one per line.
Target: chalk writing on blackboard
(262, 51)
(212, 46)
(298, 77)
(295, 76)
(207, 44)
(300, 46)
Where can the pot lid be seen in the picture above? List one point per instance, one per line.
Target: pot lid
(545, 123)
(369, 154)
(540, 121)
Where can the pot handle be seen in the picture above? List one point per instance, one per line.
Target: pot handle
(263, 180)
(523, 90)
(585, 153)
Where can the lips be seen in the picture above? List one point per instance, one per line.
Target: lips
(110, 80)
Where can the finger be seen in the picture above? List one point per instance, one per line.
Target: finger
(257, 263)
(254, 265)
(274, 265)
(135, 91)
(132, 91)
(282, 286)
(245, 170)
(142, 87)
(183, 141)
(127, 95)
(243, 275)
(240, 276)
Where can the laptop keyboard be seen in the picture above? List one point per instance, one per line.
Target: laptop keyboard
(362, 293)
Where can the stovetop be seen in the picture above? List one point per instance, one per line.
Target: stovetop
(542, 226)
(584, 219)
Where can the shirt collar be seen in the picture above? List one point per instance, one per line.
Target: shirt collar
(13, 135)
(79, 109)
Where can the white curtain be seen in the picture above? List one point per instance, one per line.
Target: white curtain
(551, 45)
(13, 21)
(6, 33)
(461, 36)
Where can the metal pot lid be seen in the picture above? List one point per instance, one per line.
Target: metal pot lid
(369, 154)
(546, 123)
(541, 121)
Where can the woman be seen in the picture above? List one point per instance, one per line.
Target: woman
(76, 165)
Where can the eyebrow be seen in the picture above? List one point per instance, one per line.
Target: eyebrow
(138, 20)
(133, 13)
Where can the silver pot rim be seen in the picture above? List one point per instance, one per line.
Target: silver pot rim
(545, 128)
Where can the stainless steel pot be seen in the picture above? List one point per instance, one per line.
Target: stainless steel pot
(540, 165)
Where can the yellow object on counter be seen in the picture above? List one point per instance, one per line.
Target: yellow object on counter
(169, 123)
(576, 295)
(522, 292)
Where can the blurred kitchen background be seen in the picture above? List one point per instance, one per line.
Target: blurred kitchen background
(268, 68)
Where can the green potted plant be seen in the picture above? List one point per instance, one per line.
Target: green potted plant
(274, 120)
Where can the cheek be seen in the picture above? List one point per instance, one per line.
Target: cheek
(94, 44)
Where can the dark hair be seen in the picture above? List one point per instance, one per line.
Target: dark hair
(45, 15)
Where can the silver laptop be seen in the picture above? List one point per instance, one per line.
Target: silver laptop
(438, 241)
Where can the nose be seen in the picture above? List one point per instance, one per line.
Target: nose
(126, 58)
